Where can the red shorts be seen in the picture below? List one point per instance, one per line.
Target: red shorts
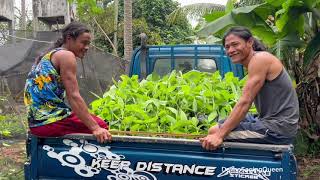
(69, 125)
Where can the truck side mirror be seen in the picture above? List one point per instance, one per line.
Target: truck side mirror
(143, 38)
(143, 56)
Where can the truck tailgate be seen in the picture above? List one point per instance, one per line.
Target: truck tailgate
(150, 158)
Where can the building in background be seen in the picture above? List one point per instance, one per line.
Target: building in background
(7, 13)
(52, 12)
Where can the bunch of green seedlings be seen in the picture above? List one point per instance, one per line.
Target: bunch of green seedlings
(176, 103)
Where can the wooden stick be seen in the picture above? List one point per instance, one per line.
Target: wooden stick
(194, 136)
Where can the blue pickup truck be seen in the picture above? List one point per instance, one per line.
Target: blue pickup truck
(79, 156)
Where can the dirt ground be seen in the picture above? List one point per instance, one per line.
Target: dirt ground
(13, 156)
(309, 168)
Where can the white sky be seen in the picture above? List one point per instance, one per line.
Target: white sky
(17, 3)
(187, 2)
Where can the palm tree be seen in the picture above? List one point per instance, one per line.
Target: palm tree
(115, 35)
(127, 29)
(194, 11)
(242, 3)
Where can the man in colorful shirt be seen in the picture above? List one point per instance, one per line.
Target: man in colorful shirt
(52, 77)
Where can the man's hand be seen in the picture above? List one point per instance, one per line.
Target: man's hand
(211, 141)
(102, 135)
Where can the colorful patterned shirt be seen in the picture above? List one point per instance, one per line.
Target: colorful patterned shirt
(44, 93)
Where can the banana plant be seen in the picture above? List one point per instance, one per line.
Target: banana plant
(252, 17)
(196, 12)
(274, 22)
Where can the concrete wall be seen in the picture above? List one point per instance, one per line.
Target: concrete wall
(50, 8)
(52, 11)
(6, 10)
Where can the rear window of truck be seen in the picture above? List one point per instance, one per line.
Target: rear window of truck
(163, 66)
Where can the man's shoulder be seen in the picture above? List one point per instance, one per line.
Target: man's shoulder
(261, 62)
(264, 55)
(64, 57)
(64, 54)
(263, 58)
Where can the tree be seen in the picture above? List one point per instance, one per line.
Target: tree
(116, 21)
(127, 29)
(155, 13)
(148, 17)
(195, 11)
(208, 11)
(200, 12)
(243, 3)
(88, 11)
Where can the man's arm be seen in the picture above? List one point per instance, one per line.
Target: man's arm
(66, 62)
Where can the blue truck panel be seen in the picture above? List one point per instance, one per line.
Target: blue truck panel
(147, 158)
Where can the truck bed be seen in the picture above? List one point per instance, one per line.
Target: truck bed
(150, 158)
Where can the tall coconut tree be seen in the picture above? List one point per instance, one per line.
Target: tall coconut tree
(198, 10)
(127, 29)
(115, 34)
(195, 11)
(202, 12)
(242, 3)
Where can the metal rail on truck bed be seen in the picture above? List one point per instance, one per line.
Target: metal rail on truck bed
(160, 140)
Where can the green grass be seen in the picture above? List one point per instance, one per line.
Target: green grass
(310, 171)
(13, 129)
(11, 170)
(12, 159)
(13, 126)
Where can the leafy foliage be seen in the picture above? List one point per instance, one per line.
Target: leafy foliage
(311, 50)
(155, 13)
(249, 16)
(177, 103)
(13, 124)
(148, 17)
(195, 11)
(10, 126)
(272, 21)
